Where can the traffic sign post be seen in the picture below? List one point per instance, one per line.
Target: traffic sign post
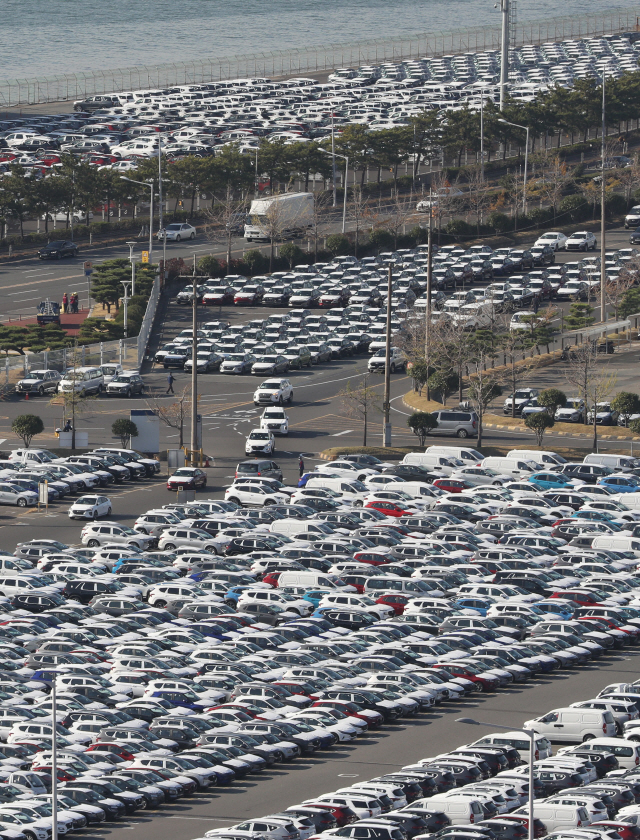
(43, 494)
(145, 256)
(88, 271)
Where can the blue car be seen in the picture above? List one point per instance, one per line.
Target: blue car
(556, 607)
(181, 699)
(315, 595)
(477, 604)
(119, 563)
(620, 483)
(233, 594)
(550, 481)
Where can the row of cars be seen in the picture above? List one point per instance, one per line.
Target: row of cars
(109, 378)
(25, 469)
(256, 633)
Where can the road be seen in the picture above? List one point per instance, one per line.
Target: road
(375, 754)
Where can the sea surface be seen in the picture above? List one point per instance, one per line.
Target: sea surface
(39, 38)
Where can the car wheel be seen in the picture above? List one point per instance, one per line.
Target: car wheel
(588, 737)
(94, 515)
(269, 502)
(160, 604)
(178, 238)
(280, 400)
(41, 391)
(128, 393)
(22, 503)
(290, 398)
(193, 236)
(108, 512)
(169, 547)
(93, 544)
(235, 500)
(462, 433)
(393, 368)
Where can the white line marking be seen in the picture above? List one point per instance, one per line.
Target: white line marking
(22, 292)
(338, 434)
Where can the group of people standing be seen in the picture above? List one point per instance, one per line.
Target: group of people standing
(70, 303)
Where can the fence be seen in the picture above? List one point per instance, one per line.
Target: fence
(147, 321)
(312, 59)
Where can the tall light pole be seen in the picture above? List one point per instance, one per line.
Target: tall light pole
(160, 212)
(504, 51)
(54, 748)
(386, 405)
(427, 323)
(532, 739)
(150, 185)
(603, 271)
(526, 161)
(334, 155)
(132, 245)
(125, 301)
(194, 368)
(333, 152)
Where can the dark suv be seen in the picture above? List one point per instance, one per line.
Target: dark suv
(258, 468)
(590, 473)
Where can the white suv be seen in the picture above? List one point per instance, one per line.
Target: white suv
(254, 495)
(94, 535)
(271, 596)
(260, 442)
(554, 240)
(273, 391)
(275, 420)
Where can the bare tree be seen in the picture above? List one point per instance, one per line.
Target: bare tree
(176, 413)
(616, 289)
(320, 211)
(401, 212)
(484, 386)
(223, 221)
(550, 186)
(450, 348)
(359, 212)
(478, 197)
(518, 368)
(359, 401)
(593, 380)
(629, 177)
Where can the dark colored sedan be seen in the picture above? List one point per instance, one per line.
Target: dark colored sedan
(58, 249)
(634, 237)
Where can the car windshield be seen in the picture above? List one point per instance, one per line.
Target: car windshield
(174, 227)
(271, 385)
(121, 379)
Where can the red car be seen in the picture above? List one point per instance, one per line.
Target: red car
(113, 749)
(63, 775)
(371, 557)
(396, 602)
(349, 709)
(451, 485)
(581, 596)
(271, 578)
(187, 478)
(342, 813)
(390, 508)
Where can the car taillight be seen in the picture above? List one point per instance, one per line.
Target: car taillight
(604, 728)
(473, 423)
(472, 818)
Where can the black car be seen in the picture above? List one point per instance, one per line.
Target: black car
(634, 237)
(352, 620)
(58, 249)
(411, 472)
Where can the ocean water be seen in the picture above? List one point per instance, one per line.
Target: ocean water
(39, 38)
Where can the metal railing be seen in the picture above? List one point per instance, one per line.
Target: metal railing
(147, 321)
(310, 59)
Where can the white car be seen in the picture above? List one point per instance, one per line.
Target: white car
(553, 239)
(271, 596)
(254, 495)
(273, 391)
(113, 532)
(572, 412)
(275, 420)
(581, 240)
(177, 231)
(481, 475)
(182, 535)
(260, 442)
(90, 507)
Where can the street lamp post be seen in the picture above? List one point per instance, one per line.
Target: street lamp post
(526, 161)
(334, 155)
(532, 739)
(125, 301)
(133, 268)
(150, 185)
(603, 250)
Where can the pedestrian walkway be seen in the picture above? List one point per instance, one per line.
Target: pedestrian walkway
(70, 323)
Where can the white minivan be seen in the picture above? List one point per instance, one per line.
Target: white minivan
(540, 456)
(464, 453)
(556, 816)
(627, 752)
(293, 527)
(351, 490)
(461, 810)
(619, 463)
(518, 467)
(82, 380)
(438, 463)
(574, 725)
(542, 745)
(616, 542)
(312, 579)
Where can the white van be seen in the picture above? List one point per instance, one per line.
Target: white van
(464, 453)
(351, 490)
(616, 542)
(33, 456)
(627, 752)
(293, 527)
(313, 579)
(416, 489)
(461, 810)
(619, 463)
(542, 745)
(556, 816)
(540, 456)
(438, 463)
(574, 725)
(82, 380)
(517, 467)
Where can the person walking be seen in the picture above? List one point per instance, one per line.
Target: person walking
(301, 466)
(170, 381)
(65, 302)
(74, 303)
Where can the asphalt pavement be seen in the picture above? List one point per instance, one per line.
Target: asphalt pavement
(374, 754)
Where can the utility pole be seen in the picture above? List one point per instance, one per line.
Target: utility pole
(427, 324)
(194, 369)
(603, 271)
(333, 157)
(386, 432)
(125, 301)
(54, 762)
(160, 213)
(504, 51)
